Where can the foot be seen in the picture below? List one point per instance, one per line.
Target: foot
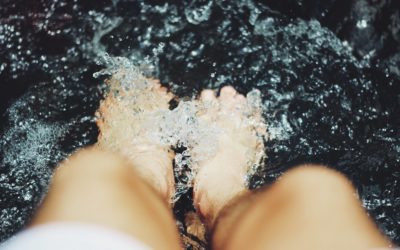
(240, 146)
(123, 129)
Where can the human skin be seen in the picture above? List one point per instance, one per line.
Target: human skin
(310, 207)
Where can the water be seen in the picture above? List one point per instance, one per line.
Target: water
(328, 72)
(179, 127)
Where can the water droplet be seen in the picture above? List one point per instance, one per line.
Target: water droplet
(362, 24)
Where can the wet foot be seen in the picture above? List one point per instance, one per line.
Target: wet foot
(223, 177)
(122, 120)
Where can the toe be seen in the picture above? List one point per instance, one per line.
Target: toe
(163, 89)
(227, 92)
(158, 87)
(207, 95)
(240, 98)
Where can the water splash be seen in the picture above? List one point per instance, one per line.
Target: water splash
(29, 143)
(133, 113)
(28, 148)
(296, 65)
(198, 11)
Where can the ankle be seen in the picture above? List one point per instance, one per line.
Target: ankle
(156, 169)
(211, 196)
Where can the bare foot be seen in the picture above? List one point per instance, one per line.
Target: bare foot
(240, 145)
(122, 122)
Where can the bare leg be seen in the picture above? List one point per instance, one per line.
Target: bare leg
(309, 208)
(130, 193)
(239, 147)
(102, 188)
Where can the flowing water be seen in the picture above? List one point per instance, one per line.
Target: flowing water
(328, 72)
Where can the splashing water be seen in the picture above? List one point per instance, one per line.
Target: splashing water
(28, 148)
(180, 127)
(329, 84)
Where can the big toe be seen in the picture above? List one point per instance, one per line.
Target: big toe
(240, 99)
(231, 101)
(227, 93)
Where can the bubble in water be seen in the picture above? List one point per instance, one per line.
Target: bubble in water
(198, 11)
(28, 196)
(264, 26)
(362, 24)
(29, 144)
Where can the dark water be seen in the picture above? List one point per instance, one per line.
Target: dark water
(329, 72)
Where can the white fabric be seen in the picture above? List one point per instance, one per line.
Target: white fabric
(72, 236)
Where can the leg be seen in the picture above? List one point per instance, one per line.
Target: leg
(131, 195)
(310, 208)
(240, 145)
(102, 188)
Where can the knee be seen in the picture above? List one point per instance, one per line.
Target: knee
(314, 183)
(315, 175)
(92, 164)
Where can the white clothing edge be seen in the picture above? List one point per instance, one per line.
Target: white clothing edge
(72, 236)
